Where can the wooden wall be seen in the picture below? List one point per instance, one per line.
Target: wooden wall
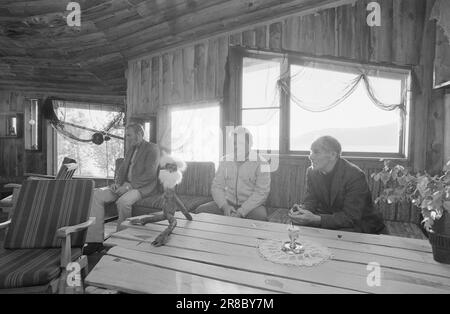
(447, 126)
(14, 160)
(406, 37)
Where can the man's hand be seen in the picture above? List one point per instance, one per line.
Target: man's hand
(304, 217)
(228, 210)
(237, 213)
(124, 188)
(113, 187)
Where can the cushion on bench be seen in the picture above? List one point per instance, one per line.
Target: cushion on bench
(404, 229)
(279, 215)
(154, 203)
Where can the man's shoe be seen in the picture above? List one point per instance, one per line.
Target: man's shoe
(92, 247)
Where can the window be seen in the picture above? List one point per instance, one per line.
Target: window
(149, 124)
(288, 103)
(260, 102)
(195, 133)
(93, 160)
(356, 122)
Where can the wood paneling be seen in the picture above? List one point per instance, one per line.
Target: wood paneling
(14, 160)
(405, 38)
(196, 72)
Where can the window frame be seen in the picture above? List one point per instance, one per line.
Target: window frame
(52, 139)
(287, 59)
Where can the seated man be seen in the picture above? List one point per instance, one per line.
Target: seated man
(337, 193)
(239, 188)
(137, 179)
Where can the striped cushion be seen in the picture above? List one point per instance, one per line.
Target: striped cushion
(6, 202)
(42, 207)
(30, 267)
(154, 203)
(197, 179)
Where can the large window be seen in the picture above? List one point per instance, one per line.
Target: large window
(260, 102)
(195, 133)
(93, 160)
(289, 103)
(356, 122)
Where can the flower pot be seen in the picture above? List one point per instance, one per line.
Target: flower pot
(440, 239)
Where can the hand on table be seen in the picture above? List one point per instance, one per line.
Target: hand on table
(228, 210)
(303, 217)
(237, 213)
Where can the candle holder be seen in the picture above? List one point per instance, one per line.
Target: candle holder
(292, 246)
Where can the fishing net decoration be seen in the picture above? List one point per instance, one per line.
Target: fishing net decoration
(83, 133)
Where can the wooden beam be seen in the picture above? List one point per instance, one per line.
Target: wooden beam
(56, 85)
(62, 94)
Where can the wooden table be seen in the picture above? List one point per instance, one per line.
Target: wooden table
(217, 254)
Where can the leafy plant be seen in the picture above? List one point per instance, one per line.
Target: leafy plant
(430, 193)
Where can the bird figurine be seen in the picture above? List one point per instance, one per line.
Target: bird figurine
(170, 174)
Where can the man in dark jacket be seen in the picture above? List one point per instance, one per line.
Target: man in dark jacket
(337, 195)
(137, 179)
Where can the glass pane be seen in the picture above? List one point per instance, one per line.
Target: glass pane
(357, 123)
(93, 160)
(264, 124)
(259, 83)
(195, 134)
(147, 128)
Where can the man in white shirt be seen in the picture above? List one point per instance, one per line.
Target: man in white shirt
(240, 187)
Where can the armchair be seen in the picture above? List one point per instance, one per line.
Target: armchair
(65, 172)
(46, 232)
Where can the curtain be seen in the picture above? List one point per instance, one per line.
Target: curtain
(318, 87)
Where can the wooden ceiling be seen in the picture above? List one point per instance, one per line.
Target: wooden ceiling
(39, 51)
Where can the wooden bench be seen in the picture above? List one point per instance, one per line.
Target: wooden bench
(194, 190)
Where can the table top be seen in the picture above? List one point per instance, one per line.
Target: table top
(218, 254)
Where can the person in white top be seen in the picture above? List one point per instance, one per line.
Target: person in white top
(241, 185)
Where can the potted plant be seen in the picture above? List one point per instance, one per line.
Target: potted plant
(429, 193)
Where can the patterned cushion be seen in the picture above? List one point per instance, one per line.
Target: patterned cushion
(197, 179)
(30, 267)
(42, 207)
(154, 203)
(287, 185)
(279, 215)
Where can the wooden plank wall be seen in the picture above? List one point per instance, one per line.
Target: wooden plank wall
(14, 160)
(196, 72)
(11, 149)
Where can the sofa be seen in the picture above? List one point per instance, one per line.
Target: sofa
(194, 190)
(288, 185)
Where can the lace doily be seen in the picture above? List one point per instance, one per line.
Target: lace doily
(313, 253)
